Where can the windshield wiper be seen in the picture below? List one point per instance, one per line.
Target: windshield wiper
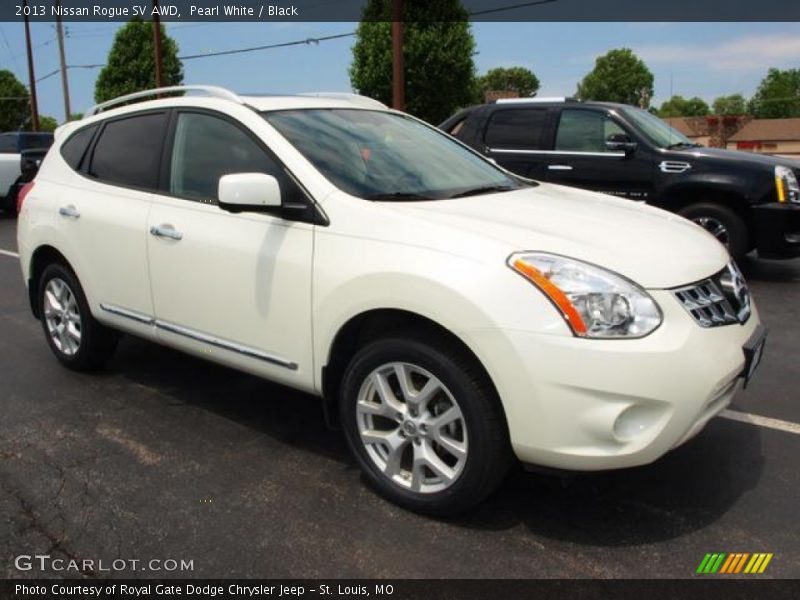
(486, 189)
(683, 145)
(397, 196)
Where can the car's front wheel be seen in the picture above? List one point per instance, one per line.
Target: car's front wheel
(723, 223)
(424, 424)
(75, 337)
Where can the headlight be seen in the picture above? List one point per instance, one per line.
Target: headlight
(786, 184)
(594, 302)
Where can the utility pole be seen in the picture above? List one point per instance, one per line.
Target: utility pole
(157, 45)
(31, 75)
(398, 62)
(63, 61)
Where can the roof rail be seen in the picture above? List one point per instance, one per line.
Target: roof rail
(210, 90)
(534, 100)
(364, 101)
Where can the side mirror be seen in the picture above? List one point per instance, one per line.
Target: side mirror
(619, 142)
(248, 191)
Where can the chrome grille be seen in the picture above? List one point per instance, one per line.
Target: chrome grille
(719, 300)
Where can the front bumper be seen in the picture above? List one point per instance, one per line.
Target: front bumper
(583, 404)
(777, 229)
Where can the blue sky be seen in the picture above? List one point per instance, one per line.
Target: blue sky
(702, 59)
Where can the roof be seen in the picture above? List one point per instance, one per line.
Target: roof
(768, 130)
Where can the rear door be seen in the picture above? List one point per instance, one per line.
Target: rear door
(106, 217)
(515, 137)
(580, 157)
(235, 287)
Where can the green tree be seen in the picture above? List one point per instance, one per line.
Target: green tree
(439, 69)
(515, 79)
(734, 104)
(678, 106)
(14, 102)
(47, 123)
(618, 76)
(131, 63)
(778, 96)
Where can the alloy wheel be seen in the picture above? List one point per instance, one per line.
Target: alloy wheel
(62, 316)
(412, 427)
(715, 227)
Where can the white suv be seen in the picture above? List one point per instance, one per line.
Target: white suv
(451, 314)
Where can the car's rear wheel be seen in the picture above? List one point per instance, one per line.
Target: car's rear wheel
(75, 337)
(723, 223)
(424, 424)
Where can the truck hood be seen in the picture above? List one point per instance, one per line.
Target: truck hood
(756, 160)
(654, 248)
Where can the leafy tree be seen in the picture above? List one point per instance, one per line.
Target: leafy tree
(778, 96)
(76, 116)
(515, 79)
(618, 76)
(15, 111)
(678, 106)
(439, 69)
(131, 62)
(734, 104)
(47, 123)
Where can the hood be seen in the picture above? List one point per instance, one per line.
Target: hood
(762, 160)
(654, 248)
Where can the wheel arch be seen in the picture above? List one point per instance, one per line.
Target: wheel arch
(43, 256)
(373, 324)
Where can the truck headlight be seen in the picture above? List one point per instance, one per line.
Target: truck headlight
(786, 184)
(595, 302)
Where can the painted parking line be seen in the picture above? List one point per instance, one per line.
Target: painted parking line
(733, 415)
(768, 422)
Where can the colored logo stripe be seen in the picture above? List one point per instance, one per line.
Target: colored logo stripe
(723, 563)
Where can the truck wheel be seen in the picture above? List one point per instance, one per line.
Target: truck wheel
(79, 342)
(424, 424)
(723, 223)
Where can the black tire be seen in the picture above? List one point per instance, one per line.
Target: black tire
(488, 455)
(97, 343)
(736, 236)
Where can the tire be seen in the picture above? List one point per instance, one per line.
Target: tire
(410, 475)
(78, 341)
(723, 223)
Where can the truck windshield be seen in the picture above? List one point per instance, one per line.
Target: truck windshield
(656, 130)
(379, 155)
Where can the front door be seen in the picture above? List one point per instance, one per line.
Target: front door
(580, 157)
(232, 287)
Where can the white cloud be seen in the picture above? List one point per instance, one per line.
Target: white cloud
(745, 53)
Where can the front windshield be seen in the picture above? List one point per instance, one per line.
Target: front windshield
(385, 156)
(656, 130)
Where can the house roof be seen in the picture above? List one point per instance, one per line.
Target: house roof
(681, 124)
(768, 130)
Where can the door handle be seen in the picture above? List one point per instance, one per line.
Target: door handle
(69, 211)
(559, 167)
(166, 231)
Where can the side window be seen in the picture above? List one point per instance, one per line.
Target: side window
(208, 147)
(75, 147)
(128, 151)
(8, 143)
(517, 129)
(585, 131)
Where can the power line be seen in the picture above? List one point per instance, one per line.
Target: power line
(269, 46)
(510, 7)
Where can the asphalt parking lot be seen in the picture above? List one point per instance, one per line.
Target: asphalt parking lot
(164, 456)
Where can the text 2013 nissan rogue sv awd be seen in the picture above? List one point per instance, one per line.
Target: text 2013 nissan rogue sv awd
(452, 315)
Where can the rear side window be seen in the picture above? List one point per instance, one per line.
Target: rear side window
(75, 147)
(128, 151)
(517, 129)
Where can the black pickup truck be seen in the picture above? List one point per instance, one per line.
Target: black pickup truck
(747, 201)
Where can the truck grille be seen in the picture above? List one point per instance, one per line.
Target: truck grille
(719, 300)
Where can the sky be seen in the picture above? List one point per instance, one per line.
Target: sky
(690, 59)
